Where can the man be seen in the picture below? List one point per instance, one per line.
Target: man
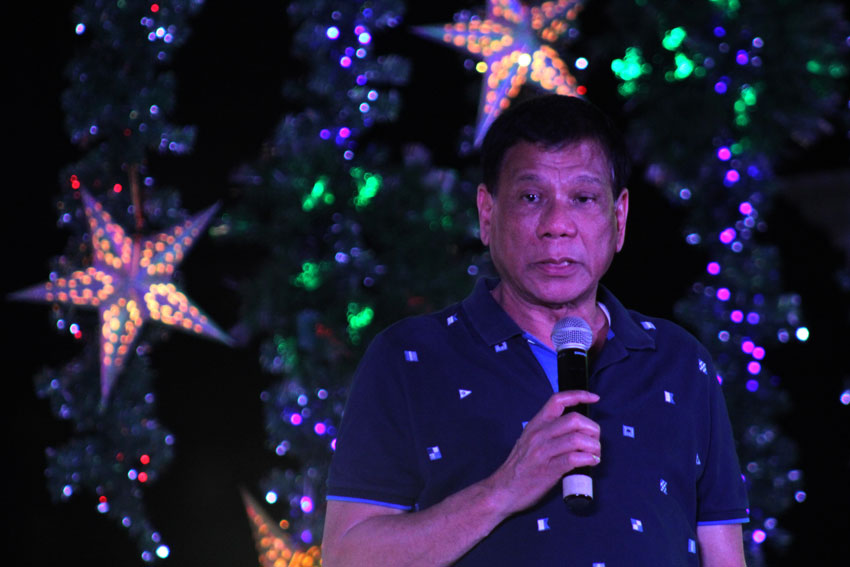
(453, 442)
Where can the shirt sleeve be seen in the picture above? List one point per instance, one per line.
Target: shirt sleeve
(721, 490)
(375, 460)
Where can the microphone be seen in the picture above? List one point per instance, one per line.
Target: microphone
(572, 337)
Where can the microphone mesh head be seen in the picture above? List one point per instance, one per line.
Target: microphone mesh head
(572, 332)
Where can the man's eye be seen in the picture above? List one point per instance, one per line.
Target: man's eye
(530, 197)
(585, 199)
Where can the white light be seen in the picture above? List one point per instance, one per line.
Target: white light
(581, 63)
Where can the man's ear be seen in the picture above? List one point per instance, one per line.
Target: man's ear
(484, 200)
(621, 213)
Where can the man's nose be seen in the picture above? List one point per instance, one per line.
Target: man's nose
(557, 220)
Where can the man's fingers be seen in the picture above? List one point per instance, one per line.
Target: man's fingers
(556, 405)
(575, 460)
(562, 400)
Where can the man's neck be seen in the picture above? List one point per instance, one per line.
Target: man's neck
(538, 320)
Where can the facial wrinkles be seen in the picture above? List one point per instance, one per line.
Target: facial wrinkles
(550, 168)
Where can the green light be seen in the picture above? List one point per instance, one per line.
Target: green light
(368, 185)
(287, 348)
(319, 193)
(814, 67)
(748, 98)
(674, 38)
(629, 69)
(684, 66)
(358, 318)
(310, 276)
(837, 70)
(730, 6)
(631, 66)
(627, 89)
(748, 95)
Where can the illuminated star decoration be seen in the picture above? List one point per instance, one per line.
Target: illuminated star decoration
(510, 42)
(275, 546)
(129, 283)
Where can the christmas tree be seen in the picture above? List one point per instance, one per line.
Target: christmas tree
(356, 211)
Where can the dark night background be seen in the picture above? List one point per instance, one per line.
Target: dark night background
(229, 77)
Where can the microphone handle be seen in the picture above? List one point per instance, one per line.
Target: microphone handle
(577, 485)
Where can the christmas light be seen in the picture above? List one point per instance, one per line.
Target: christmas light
(513, 42)
(128, 284)
(674, 38)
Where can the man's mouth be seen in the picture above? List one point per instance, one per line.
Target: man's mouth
(557, 265)
(559, 261)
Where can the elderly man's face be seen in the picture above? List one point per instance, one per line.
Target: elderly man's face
(554, 226)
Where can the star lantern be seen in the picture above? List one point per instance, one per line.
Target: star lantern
(129, 282)
(510, 42)
(275, 546)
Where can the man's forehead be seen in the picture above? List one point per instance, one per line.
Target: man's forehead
(528, 156)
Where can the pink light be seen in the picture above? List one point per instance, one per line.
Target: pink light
(728, 235)
(306, 504)
(758, 353)
(748, 346)
(296, 419)
(723, 294)
(737, 316)
(759, 536)
(713, 268)
(724, 154)
(745, 208)
(753, 368)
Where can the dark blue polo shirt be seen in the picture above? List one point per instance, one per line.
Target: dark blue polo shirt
(439, 401)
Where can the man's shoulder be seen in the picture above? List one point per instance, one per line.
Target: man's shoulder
(667, 333)
(418, 327)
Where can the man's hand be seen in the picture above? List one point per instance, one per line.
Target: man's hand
(551, 445)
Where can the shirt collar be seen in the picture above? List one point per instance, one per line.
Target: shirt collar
(495, 325)
(625, 328)
(487, 316)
